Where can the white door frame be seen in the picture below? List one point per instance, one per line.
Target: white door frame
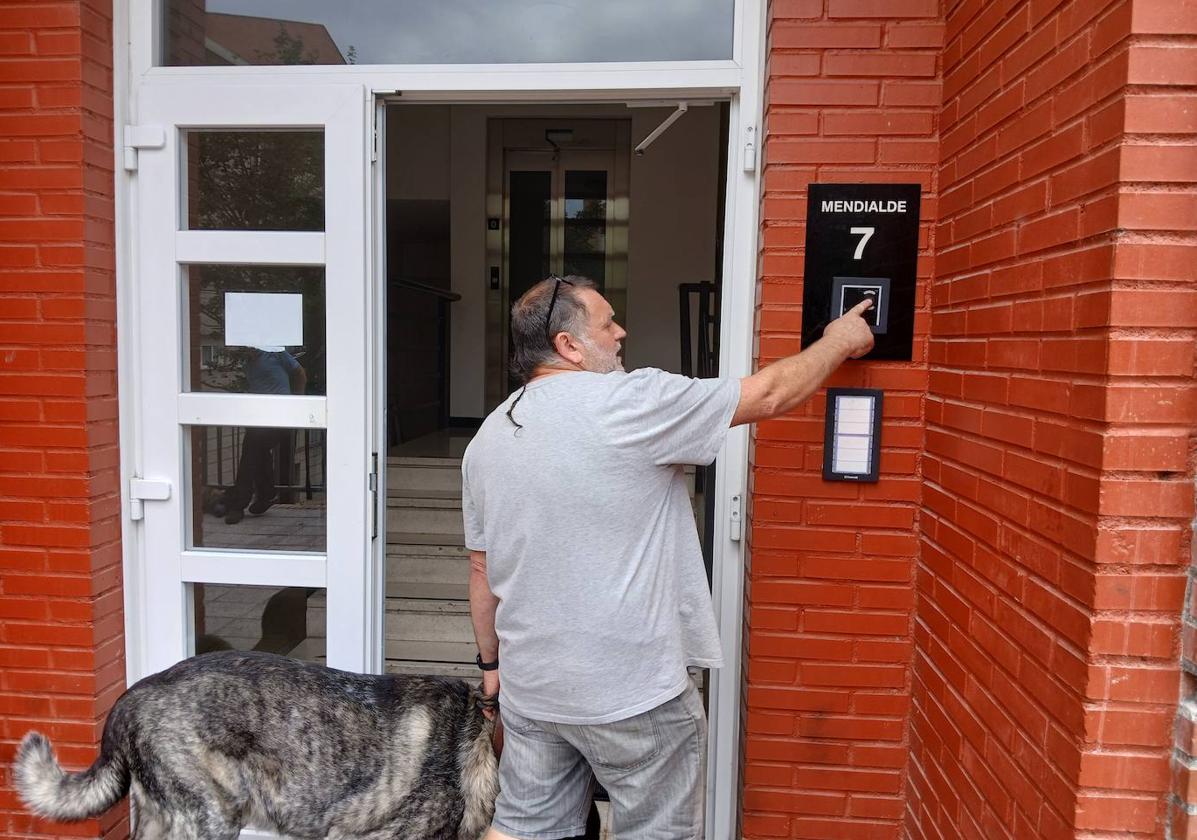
(741, 79)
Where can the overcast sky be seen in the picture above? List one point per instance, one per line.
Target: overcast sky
(503, 31)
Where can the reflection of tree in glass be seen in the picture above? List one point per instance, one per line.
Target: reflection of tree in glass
(259, 180)
(288, 49)
(586, 226)
(592, 208)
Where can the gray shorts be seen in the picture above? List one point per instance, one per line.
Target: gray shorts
(653, 766)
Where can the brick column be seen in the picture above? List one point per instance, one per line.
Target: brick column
(61, 623)
(1058, 465)
(852, 96)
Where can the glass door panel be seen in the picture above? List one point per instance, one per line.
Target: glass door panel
(584, 249)
(530, 196)
(255, 180)
(264, 541)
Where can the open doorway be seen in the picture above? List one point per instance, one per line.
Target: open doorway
(482, 201)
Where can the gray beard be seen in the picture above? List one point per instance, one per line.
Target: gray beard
(599, 362)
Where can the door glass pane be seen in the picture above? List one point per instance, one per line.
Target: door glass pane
(586, 224)
(258, 489)
(283, 620)
(255, 329)
(530, 194)
(223, 32)
(255, 180)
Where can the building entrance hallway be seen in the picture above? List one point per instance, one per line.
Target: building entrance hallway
(481, 203)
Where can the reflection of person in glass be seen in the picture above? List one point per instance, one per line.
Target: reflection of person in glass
(268, 370)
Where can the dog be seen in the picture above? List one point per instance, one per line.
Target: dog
(229, 739)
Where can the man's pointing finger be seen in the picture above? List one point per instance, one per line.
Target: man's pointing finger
(862, 307)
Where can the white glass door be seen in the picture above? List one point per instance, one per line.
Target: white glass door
(251, 251)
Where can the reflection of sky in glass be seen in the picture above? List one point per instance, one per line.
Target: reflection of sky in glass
(510, 31)
(585, 208)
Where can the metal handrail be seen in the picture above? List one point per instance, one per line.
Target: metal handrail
(417, 286)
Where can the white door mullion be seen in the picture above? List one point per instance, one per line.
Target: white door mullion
(161, 365)
(207, 409)
(348, 500)
(250, 247)
(255, 569)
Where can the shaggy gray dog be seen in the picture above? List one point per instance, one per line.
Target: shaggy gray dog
(228, 739)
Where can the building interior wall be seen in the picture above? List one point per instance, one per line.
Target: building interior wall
(438, 153)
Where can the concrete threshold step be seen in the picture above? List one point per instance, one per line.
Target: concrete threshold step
(416, 650)
(417, 500)
(427, 518)
(426, 590)
(467, 671)
(417, 549)
(421, 462)
(408, 538)
(443, 568)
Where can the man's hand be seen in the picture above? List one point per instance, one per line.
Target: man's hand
(852, 331)
(490, 688)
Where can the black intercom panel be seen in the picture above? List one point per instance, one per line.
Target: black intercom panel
(862, 240)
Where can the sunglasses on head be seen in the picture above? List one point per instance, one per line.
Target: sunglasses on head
(548, 319)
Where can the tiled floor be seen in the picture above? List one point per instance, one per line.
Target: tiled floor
(447, 443)
(295, 527)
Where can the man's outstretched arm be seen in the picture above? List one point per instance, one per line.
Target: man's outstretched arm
(786, 384)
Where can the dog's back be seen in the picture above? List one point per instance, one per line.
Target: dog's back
(231, 738)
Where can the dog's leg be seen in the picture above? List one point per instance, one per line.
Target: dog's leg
(156, 823)
(148, 823)
(203, 827)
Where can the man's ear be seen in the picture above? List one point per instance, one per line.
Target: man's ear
(568, 347)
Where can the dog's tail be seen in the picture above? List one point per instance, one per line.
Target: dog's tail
(49, 791)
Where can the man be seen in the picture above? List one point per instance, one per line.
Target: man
(587, 582)
(268, 370)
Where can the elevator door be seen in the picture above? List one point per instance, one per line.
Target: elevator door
(564, 211)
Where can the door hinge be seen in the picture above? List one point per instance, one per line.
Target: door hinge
(373, 485)
(141, 137)
(750, 146)
(143, 490)
(374, 145)
(735, 521)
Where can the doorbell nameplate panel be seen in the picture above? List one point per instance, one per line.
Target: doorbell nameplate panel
(869, 234)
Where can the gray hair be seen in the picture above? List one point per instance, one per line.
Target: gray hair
(531, 345)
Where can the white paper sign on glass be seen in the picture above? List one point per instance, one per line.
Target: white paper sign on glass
(256, 319)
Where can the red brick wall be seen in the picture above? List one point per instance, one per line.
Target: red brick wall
(61, 625)
(852, 95)
(1058, 464)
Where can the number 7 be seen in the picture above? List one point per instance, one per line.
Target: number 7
(866, 233)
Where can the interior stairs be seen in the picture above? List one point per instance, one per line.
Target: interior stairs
(427, 624)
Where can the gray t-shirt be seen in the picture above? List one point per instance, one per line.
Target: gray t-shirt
(590, 539)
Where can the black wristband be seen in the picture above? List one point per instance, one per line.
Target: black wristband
(487, 666)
